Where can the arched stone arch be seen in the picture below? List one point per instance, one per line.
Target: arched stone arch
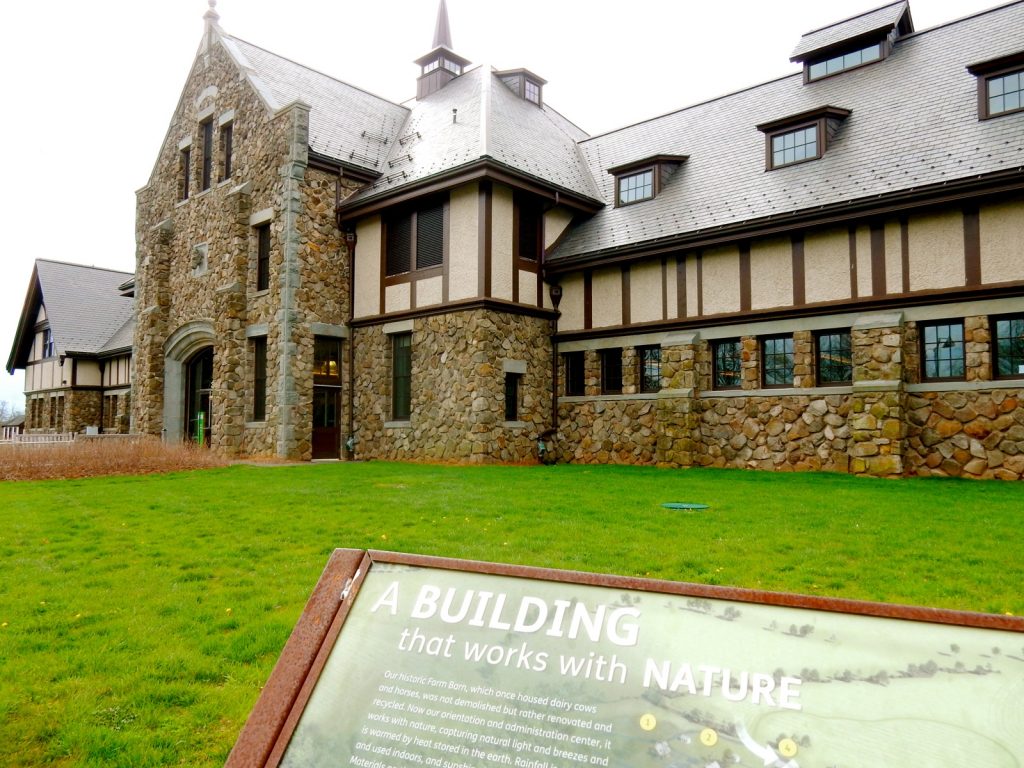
(179, 348)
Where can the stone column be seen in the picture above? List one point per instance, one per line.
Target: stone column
(153, 301)
(878, 407)
(678, 425)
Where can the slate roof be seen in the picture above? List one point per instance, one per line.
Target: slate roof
(346, 123)
(86, 312)
(884, 18)
(490, 122)
(914, 122)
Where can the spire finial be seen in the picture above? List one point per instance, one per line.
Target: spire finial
(212, 15)
(442, 30)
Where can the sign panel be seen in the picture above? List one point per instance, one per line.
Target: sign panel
(436, 665)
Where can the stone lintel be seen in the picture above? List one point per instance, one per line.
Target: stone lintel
(966, 386)
(241, 189)
(261, 217)
(330, 330)
(882, 385)
(399, 326)
(672, 394)
(235, 287)
(513, 366)
(681, 339)
(880, 320)
(256, 330)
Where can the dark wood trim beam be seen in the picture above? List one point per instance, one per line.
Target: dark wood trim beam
(700, 284)
(972, 246)
(878, 259)
(681, 287)
(664, 288)
(588, 299)
(905, 252)
(799, 277)
(626, 297)
(852, 238)
(484, 239)
(493, 305)
(745, 277)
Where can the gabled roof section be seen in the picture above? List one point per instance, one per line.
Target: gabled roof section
(84, 308)
(873, 24)
(912, 134)
(346, 124)
(477, 118)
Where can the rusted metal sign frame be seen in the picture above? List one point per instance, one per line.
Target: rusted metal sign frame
(265, 736)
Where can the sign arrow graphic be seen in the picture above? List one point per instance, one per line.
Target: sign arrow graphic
(765, 752)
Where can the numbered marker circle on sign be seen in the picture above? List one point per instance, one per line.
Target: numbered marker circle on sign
(708, 737)
(648, 722)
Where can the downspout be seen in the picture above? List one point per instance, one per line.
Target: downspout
(350, 353)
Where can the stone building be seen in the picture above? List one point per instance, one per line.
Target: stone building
(74, 342)
(825, 271)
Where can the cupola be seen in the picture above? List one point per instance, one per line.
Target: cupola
(442, 64)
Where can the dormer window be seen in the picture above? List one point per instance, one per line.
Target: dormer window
(1000, 85)
(643, 179)
(802, 137)
(836, 64)
(524, 84)
(853, 43)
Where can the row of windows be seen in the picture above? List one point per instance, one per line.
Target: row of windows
(224, 149)
(942, 358)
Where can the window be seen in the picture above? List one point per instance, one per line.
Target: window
(49, 347)
(207, 170)
(726, 357)
(259, 378)
(777, 361)
(611, 371)
(263, 257)
(1008, 333)
(185, 169)
(226, 140)
(406, 253)
(649, 362)
(1004, 93)
(326, 360)
(635, 187)
(575, 377)
(795, 146)
(530, 227)
(512, 396)
(834, 356)
(532, 92)
(942, 350)
(844, 61)
(401, 376)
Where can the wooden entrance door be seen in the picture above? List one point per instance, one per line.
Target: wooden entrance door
(326, 426)
(199, 384)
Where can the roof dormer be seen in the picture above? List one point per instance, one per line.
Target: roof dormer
(442, 64)
(524, 84)
(643, 179)
(852, 43)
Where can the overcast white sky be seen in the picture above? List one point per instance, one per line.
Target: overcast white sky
(90, 86)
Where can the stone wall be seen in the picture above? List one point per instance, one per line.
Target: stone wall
(458, 397)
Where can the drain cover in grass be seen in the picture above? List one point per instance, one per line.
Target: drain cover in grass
(683, 505)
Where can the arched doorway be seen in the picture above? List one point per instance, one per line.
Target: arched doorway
(198, 384)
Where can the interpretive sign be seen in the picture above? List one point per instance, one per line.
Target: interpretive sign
(428, 662)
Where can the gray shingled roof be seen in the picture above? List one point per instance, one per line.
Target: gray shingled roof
(491, 121)
(914, 122)
(83, 306)
(346, 123)
(886, 17)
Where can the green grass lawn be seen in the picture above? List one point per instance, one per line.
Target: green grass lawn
(141, 615)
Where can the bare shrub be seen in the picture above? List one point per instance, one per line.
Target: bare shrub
(89, 458)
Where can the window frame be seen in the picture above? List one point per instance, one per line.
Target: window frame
(512, 395)
(575, 365)
(819, 380)
(984, 86)
(993, 324)
(185, 169)
(611, 371)
(643, 383)
(206, 175)
(401, 376)
(226, 149)
(716, 359)
(262, 256)
(820, 118)
(923, 346)
(48, 347)
(763, 343)
(620, 178)
(528, 211)
(884, 49)
(817, 125)
(332, 347)
(410, 216)
(259, 378)
(986, 71)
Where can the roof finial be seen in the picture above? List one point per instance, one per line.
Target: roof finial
(212, 15)
(442, 30)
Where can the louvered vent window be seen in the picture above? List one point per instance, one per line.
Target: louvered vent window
(406, 253)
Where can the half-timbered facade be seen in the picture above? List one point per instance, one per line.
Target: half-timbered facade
(820, 272)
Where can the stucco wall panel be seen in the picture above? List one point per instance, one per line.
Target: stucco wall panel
(571, 306)
(937, 251)
(827, 266)
(368, 276)
(721, 268)
(645, 292)
(771, 273)
(501, 243)
(428, 292)
(398, 298)
(607, 291)
(1002, 242)
(464, 242)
